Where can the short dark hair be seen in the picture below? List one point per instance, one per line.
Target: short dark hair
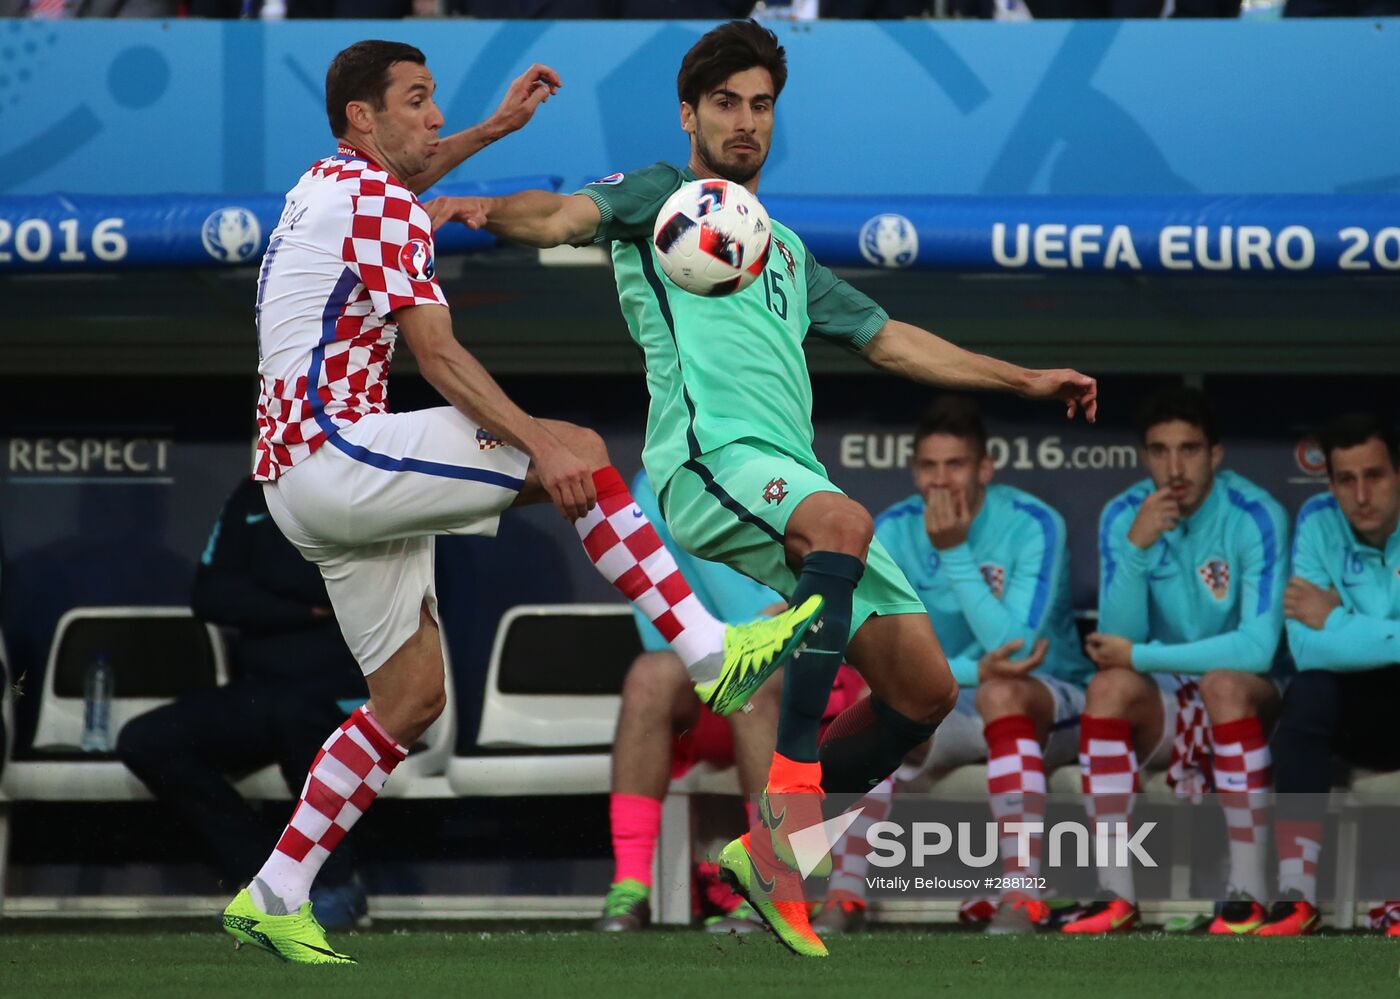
(1180, 402)
(731, 48)
(955, 415)
(1354, 429)
(361, 73)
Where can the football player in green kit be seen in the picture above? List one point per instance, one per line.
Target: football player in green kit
(729, 448)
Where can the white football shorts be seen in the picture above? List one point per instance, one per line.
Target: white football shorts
(366, 506)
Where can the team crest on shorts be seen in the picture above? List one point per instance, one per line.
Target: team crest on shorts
(416, 259)
(1215, 573)
(486, 440)
(787, 258)
(775, 491)
(995, 578)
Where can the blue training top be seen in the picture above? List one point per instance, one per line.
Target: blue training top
(1208, 594)
(1009, 580)
(1364, 632)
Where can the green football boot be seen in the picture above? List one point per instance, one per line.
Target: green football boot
(752, 652)
(295, 937)
(773, 891)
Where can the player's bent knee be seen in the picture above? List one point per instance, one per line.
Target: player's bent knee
(1233, 693)
(652, 683)
(830, 522)
(998, 697)
(1111, 692)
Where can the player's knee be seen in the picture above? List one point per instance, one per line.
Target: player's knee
(998, 697)
(936, 701)
(1112, 692)
(832, 523)
(1230, 694)
(652, 684)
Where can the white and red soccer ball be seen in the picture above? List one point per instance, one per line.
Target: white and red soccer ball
(712, 237)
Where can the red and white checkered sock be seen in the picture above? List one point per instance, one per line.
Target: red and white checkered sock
(346, 776)
(626, 549)
(1016, 789)
(850, 859)
(1108, 770)
(1244, 773)
(1299, 846)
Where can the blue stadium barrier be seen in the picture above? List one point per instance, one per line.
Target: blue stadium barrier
(92, 232)
(1254, 234)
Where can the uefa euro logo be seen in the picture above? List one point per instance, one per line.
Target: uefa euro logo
(231, 235)
(889, 241)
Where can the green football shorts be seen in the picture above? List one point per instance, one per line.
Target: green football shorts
(732, 505)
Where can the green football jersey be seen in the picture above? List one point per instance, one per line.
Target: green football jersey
(722, 369)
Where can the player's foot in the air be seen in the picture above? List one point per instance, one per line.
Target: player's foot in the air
(840, 913)
(1018, 916)
(752, 652)
(627, 907)
(1290, 916)
(791, 810)
(295, 937)
(774, 892)
(1239, 915)
(1104, 915)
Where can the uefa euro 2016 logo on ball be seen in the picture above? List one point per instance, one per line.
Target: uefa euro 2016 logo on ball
(712, 237)
(889, 241)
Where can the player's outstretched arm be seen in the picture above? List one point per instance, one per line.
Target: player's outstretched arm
(921, 356)
(463, 382)
(524, 95)
(536, 218)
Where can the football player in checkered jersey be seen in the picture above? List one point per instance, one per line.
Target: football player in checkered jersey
(362, 492)
(1192, 567)
(991, 564)
(1342, 607)
(729, 446)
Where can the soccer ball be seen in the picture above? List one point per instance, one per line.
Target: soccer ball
(712, 237)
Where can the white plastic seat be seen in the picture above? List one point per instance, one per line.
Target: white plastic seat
(553, 683)
(156, 654)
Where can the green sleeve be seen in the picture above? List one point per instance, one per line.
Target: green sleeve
(838, 311)
(628, 202)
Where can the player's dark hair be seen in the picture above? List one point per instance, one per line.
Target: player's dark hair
(731, 48)
(1190, 405)
(361, 73)
(1354, 429)
(956, 415)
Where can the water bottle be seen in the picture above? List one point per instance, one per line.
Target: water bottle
(97, 706)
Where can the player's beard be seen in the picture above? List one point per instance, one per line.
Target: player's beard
(738, 172)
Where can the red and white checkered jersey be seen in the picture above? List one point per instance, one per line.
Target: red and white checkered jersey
(352, 246)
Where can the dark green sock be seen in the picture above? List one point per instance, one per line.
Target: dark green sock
(811, 672)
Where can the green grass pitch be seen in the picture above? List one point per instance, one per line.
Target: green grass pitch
(424, 960)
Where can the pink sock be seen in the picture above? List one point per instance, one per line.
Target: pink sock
(636, 822)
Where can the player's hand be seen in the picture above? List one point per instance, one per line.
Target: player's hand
(1109, 651)
(1078, 392)
(567, 478)
(471, 212)
(946, 518)
(524, 95)
(1158, 514)
(998, 662)
(1309, 604)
